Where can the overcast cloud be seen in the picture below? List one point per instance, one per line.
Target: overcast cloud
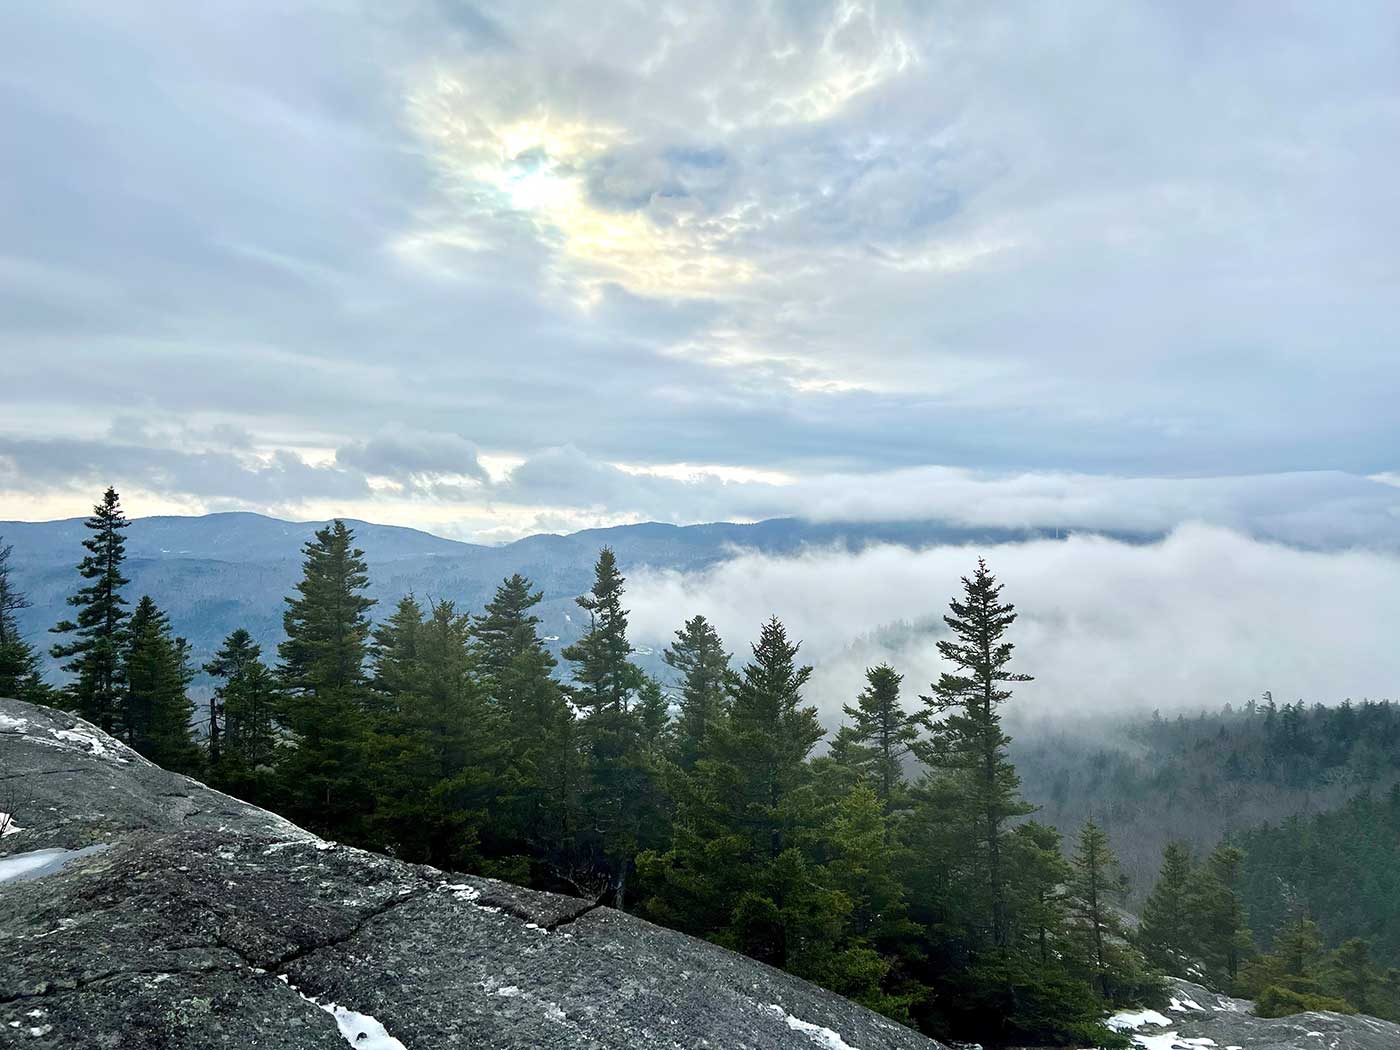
(493, 268)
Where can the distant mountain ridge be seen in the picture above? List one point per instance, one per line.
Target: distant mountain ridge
(215, 572)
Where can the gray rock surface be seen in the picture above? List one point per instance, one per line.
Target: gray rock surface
(204, 922)
(1199, 1018)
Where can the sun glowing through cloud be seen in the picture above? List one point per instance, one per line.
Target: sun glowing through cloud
(533, 168)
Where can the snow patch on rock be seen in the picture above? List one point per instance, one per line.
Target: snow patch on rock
(823, 1037)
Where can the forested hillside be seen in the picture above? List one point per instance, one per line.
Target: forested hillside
(1200, 777)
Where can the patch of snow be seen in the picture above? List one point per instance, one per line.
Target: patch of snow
(24, 866)
(1131, 1020)
(359, 1030)
(508, 991)
(823, 1037)
(92, 744)
(14, 725)
(8, 825)
(1183, 1004)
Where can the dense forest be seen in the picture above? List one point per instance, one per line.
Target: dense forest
(902, 866)
(1205, 776)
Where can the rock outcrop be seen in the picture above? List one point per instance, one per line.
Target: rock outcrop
(140, 909)
(1199, 1019)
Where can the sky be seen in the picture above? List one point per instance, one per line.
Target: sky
(491, 269)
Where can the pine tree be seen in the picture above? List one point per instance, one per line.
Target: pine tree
(439, 754)
(967, 747)
(508, 629)
(1222, 935)
(541, 784)
(603, 676)
(605, 685)
(1039, 875)
(698, 656)
(94, 655)
(1095, 885)
(1167, 934)
(737, 871)
(322, 673)
(394, 653)
(20, 674)
(880, 724)
(156, 708)
(242, 734)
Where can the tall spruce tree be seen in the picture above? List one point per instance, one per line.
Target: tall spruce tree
(242, 736)
(605, 686)
(1167, 934)
(94, 654)
(1095, 886)
(322, 672)
(156, 708)
(737, 871)
(21, 676)
(438, 754)
(698, 656)
(880, 724)
(394, 654)
(1222, 936)
(540, 788)
(966, 748)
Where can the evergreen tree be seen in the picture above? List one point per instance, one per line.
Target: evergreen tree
(20, 674)
(394, 653)
(604, 677)
(881, 725)
(737, 871)
(242, 735)
(322, 673)
(967, 747)
(698, 656)
(439, 755)
(1222, 935)
(541, 784)
(157, 709)
(508, 629)
(1168, 931)
(1096, 885)
(606, 683)
(1039, 875)
(94, 655)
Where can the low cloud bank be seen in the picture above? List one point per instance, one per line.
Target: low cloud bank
(1205, 616)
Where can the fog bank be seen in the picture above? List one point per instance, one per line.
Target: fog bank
(1203, 617)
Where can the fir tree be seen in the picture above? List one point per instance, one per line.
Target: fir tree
(737, 871)
(439, 755)
(20, 674)
(1167, 934)
(1222, 935)
(157, 708)
(394, 653)
(1096, 885)
(541, 783)
(322, 673)
(603, 676)
(967, 747)
(94, 655)
(880, 724)
(698, 656)
(242, 714)
(605, 685)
